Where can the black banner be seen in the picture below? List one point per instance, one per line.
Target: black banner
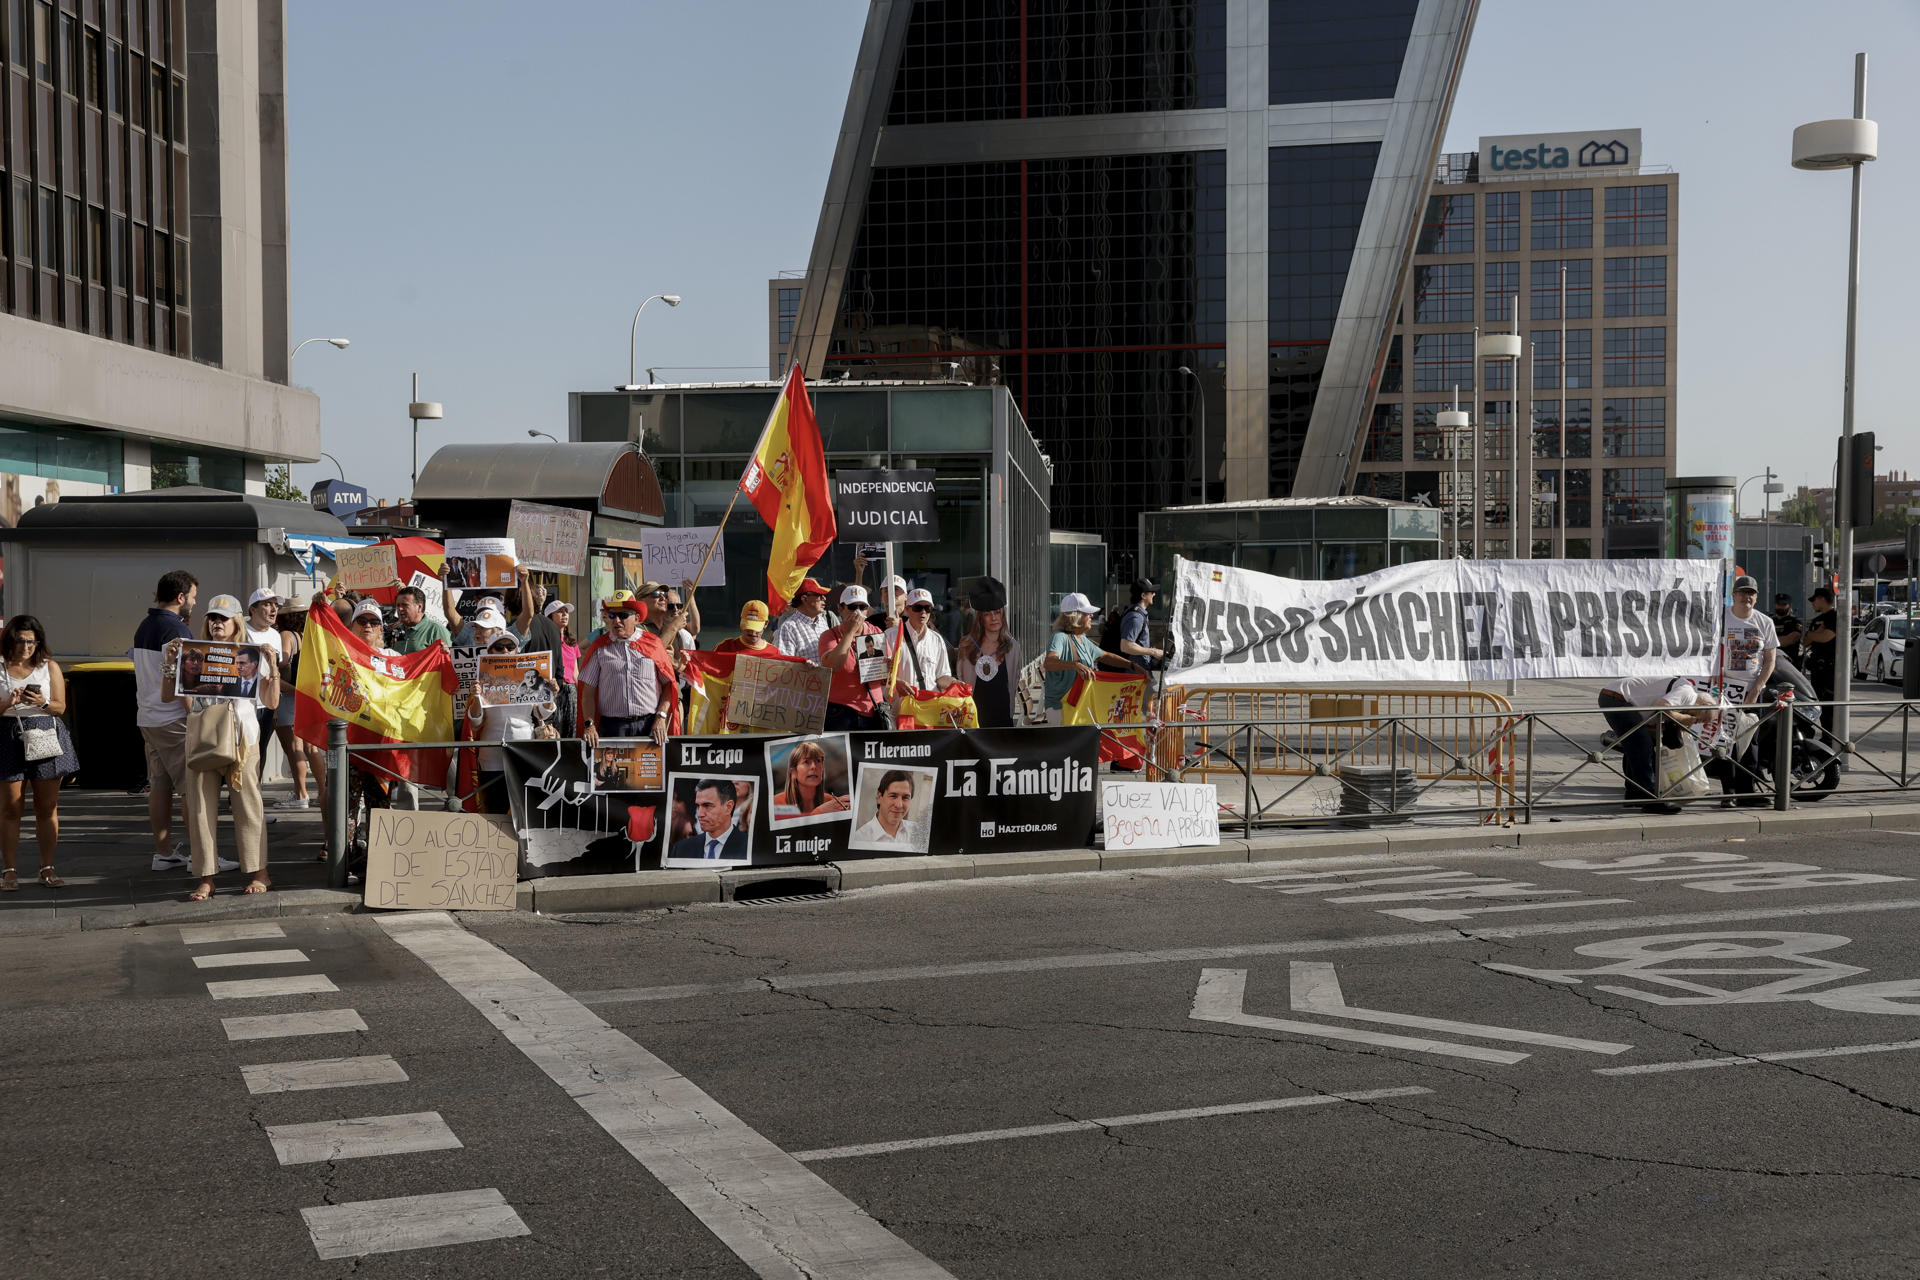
(743, 800)
(885, 506)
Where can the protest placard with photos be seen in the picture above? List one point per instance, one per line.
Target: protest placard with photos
(515, 679)
(870, 655)
(675, 555)
(629, 764)
(481, 564)
(778, 697)
(549, 539)
(208, 669)
(367, 568)
(426, 861)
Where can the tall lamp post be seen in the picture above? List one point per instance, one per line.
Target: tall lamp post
(1451, 423)
(420, 410)
(535, 435)
(633, 335)
(1844, 144)
(1200, 395)
(1507, 346)
(339, 343)
(336, 464)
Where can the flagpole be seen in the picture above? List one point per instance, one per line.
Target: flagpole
(793, 371)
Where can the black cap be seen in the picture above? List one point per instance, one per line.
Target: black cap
(987, 594)
(1821, 593)
(1778, 596)
(1143, 584)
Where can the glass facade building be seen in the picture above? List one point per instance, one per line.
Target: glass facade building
(1173, 229)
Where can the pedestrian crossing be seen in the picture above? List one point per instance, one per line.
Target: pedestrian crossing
(434, 1219)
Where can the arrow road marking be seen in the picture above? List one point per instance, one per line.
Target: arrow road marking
(1222, 992)
(1317, 990)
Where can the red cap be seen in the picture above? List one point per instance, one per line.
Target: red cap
(810, 586)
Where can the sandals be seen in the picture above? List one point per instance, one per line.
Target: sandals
(51, 878)
(9, 881)
(201, 893)
(256, 886)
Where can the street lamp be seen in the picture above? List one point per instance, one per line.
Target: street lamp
(532, 434)
(336, 464)
(419, 410)
(341, 343)
(672, 300)
(1508, 346)
(1768, 489)
(1451, 423)
(1844, 144)
(1200, 394)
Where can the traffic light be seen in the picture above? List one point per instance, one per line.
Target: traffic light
(1820, 558)
(1859, 472)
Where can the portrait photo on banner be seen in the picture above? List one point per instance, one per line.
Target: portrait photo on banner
(210, 669)
(628, 764)
(710, 823)
(892, 809)
(808, 780)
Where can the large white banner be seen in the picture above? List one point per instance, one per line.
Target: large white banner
(1447, 620)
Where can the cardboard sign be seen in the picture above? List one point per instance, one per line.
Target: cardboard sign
(549, 539)
(426, 861)
(466, 666)
(885, 506)
(629, 764)
(206, 669)
(481, 564)
(436, 594)
(673, 555)
(1159, 815)
(515, 679)
(367, 568)
(778, 697)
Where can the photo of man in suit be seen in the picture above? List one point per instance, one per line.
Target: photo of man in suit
(716, 836)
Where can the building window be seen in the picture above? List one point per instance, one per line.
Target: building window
(1631, 494)
(179, 112)
(1503, 282)
(1563, 219)
(96, 246)
(1637, 286)
(1633, 427)
(1383, 436)
(1636, 358)
(175, 467)
(1315, 198)
(1636, 216)
(1546, 288)
(1443, 294)
(94, 73)
(117, 253)
(22, 222)
(43, 42)
(70, 53)
(179, 273)
(49, 229)
(1442, 361)
(1580, 499)
(1496, 375)
(1335, 50)
(17, 37)
(789, 311)
(1429, 442)
(136, 91)
(1580, 548)
(1496, 429)
(1393, 373)
(1546, 417)
(1503, 222)
(1448, 226)
(141, 280)
(1382, 484)
(162, 256)
(116, 86)
(1548, 366)
(76, 239)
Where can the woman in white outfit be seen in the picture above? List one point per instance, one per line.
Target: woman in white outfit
(224, 625)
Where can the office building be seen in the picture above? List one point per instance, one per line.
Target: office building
(1585, 238)
(143, 249)
(1894, 495)
(1173, 229)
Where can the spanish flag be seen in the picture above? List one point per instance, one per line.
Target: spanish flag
(382, 697)
(786, 481)
(1110, 698)
(712, 678)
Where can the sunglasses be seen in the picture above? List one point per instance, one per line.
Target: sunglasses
(923, 608)
(619, 615)
(853, 608)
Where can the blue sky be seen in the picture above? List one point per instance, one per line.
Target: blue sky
(483, 192)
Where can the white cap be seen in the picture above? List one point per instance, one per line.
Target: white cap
(368, 609)
(855, 594)
(488, 616)
(919, 595)
(553, 607)
(1077, 603)
(896, 583)
(261, 596)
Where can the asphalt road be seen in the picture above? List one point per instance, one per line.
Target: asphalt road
(1541, 1063)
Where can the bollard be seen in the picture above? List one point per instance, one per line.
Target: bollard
(337, 833)
(1783, 757)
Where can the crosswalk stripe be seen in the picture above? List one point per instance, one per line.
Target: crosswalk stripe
(412, 1222)
(243, 931)
(322, 1073)
(305, 984)
(359, 1138)
(269, 1026)
(235, 959)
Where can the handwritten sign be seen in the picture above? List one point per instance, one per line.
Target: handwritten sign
(367, 568)
(674, 555)
(1159, 815)
(778, 697)
(549, 539)
(481, 564)
(466, 666)
(430, 587)
(428, 861)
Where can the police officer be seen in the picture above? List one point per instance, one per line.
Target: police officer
(1818, 637)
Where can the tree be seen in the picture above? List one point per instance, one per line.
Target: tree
(1800, 511)
(280, 483)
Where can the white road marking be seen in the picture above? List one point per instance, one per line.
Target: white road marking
(1788, 1055)
(235, 959)
(1189, 955)
(268, 1026)
(1110, 1122)
(1431, 915)
(1320, 875)
(360, 1138)
(778, 1216)
(244, 931)
(412, 1222)
(306, 984)
(1222, 992)
(322, 1073)
(1316, 989)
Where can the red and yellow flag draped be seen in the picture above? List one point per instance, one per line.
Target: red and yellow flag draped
(383, 698)
(787, 483)
(712, 677)
(1109, 698)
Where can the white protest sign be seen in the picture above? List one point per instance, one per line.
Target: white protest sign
(485, 564)
(673, 555)
(436, 594)
(1447, 620)
(1159, 815)
(549, 539)
(428, 861)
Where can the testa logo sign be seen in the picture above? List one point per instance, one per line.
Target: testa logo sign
(1549, 153)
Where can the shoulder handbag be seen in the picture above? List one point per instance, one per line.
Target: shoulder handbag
(39, 737)
(213, 738)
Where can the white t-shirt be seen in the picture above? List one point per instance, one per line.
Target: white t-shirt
(1748, 640)
(1655, 691)
(267, 639)
(912, 835)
